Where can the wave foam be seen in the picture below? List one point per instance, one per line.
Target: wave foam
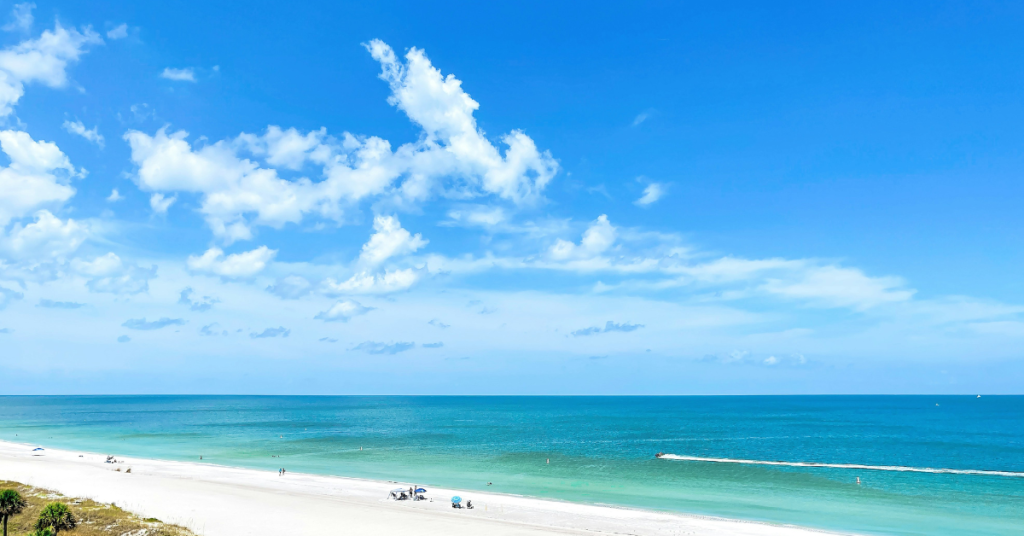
(897, 468)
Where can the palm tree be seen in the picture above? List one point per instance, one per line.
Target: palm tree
(56, 516)
(11, 504)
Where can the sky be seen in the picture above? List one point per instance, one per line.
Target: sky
(527, 198)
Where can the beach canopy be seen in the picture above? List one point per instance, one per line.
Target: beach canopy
(456, 499)
(399, 490)
(421, 490)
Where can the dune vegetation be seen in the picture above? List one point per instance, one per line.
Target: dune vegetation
(44, 512)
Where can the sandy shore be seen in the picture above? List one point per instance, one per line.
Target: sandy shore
(224, 501)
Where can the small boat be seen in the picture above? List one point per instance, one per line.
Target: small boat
(660, 454)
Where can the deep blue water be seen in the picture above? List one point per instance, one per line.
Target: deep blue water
(601, 449)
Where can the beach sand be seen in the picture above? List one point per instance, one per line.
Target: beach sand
(215, 500)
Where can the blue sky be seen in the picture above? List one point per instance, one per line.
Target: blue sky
(534, 198)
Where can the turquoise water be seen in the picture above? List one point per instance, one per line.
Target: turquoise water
(601, 449)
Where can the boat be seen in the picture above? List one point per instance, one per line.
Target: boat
(659, 455)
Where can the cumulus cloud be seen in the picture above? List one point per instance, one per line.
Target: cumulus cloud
(114, 196)
(159, 203)
(452, 158)
(389, 240)
(179, 75)
(596, 240)
(270, 333)
(236, 265)
(110, 274)
(653, 192)
(608, 328)
(343, 311)
(142, 325)
(42, 60)
(50, 304)
(199, 305)
(118, 32)
(48, 237)
(38, 176)
(21, 18)
(77, 127)
(378, 348)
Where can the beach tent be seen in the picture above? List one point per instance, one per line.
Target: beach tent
(397, 492)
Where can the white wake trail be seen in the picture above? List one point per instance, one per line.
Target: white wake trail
(897, 468)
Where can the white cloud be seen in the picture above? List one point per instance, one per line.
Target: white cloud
(77, 127)
(640, 118)
(179, 75)
(236, 265)
(389, 240)
(596, 240)
(836, 286)
(45, 238)
(653, 192)
(439, 105)
(343, 311)
(160, 204)
(367, 283)
(44, 60)
(110, 274)
(288, 148)
(114, 196)
(37, 176)
(21, 17)
(452, 158)
(118, 32)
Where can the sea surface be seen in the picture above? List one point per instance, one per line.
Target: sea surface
(602, 449)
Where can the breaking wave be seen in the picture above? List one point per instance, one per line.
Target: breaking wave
(896, 468)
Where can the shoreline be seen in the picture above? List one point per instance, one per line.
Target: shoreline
(219, 500)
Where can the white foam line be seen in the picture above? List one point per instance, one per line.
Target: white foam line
(896, 468)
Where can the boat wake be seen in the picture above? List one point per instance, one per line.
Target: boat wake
(896, 468)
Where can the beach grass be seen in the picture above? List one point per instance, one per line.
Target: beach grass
(94, 519)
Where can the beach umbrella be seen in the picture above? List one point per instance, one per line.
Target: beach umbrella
(421, 490)
(456, 499)
(38, 448)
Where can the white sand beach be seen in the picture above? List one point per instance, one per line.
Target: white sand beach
(224, 501)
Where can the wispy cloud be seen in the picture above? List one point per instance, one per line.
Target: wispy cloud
(378, 348)
(199, 305)
(437, 323)
(21, 17)
(608, 328)
(77, 127)
(179, 75)
(433, 345)
(50, 304)
(653, 192)
(343, 311)
(271, 332)
(142, 324)
(642, 116)
(118, 32)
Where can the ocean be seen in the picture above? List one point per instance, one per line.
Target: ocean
(601, 450)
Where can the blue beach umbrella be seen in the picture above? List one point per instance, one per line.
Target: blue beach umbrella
(456, 499)
(421, 490)
(38, 448)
